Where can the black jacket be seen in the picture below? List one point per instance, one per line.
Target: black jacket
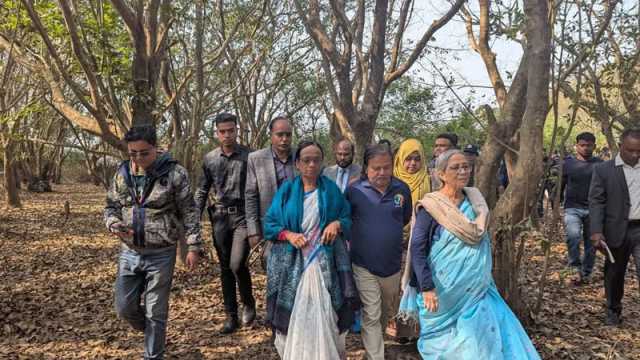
(609, 203)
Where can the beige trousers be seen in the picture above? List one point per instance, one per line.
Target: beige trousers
(379, 296)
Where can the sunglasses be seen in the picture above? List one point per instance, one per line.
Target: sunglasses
(139, 154)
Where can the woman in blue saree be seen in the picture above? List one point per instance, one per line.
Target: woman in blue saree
(448, 283)
(311, 295)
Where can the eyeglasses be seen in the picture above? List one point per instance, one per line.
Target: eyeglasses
(308, 161)
(139, 154)
(458, 168)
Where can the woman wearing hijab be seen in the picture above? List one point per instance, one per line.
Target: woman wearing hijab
(409, 166)
(311, 294)
(450, 288)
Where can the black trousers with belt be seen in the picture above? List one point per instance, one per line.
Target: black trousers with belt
(232, 247)
(614, 273)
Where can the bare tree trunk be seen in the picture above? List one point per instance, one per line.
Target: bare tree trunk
(12, 196)
(148, 26)
(607, 130)
(196, 126)
(363, 133)
(504, 128)
(57, 177)
(517, 203)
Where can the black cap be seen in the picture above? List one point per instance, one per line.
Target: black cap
(471, 149)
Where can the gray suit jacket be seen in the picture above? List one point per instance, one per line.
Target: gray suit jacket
(260, 188)
(332, 172)
(609, 203)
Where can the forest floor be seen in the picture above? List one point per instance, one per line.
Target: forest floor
(56, 296)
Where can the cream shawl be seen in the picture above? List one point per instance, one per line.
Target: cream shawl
(448, 215)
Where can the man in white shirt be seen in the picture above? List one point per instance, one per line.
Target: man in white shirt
(614, 210)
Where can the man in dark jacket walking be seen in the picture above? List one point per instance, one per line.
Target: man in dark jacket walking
(614, 210)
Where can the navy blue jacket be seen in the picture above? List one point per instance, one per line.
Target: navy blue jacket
(421, 239)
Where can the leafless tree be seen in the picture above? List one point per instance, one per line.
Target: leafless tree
(357, 75)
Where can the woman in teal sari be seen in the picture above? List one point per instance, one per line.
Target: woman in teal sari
(448, 283)
(311, 295)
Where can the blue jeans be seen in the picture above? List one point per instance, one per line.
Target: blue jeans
(576, 223)
(146, 275)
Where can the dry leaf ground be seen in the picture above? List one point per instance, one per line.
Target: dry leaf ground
(56, 297)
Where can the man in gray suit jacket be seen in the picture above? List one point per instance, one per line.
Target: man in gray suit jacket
(267, 169)
(344, 171)
(614, 210)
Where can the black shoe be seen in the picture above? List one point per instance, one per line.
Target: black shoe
(248, 315)
(230, 325)
(613, 319)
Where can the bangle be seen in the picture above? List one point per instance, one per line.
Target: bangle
(282, 236)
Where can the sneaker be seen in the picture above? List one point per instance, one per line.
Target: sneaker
(574, 279)
(586, 279)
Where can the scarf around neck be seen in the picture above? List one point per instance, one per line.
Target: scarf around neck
(449, 216)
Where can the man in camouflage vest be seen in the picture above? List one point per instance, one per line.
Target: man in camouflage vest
(148, 202)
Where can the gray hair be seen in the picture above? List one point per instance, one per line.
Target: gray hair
(443, 160)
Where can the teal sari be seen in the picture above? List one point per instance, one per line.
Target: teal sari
(472, 320)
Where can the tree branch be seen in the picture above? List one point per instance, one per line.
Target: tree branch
(396, 49)
(588, 50)
(81, 55)
(129, 18)
(417, 51)
(35, 19)
(481, 45)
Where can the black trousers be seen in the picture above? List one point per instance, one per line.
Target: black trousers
(232, 247)
(614, 273)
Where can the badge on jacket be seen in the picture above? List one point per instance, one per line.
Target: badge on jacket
(398, 200)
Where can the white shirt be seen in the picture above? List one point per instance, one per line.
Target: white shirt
(632, 176)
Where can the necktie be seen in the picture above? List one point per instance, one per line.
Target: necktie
(342, 184)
